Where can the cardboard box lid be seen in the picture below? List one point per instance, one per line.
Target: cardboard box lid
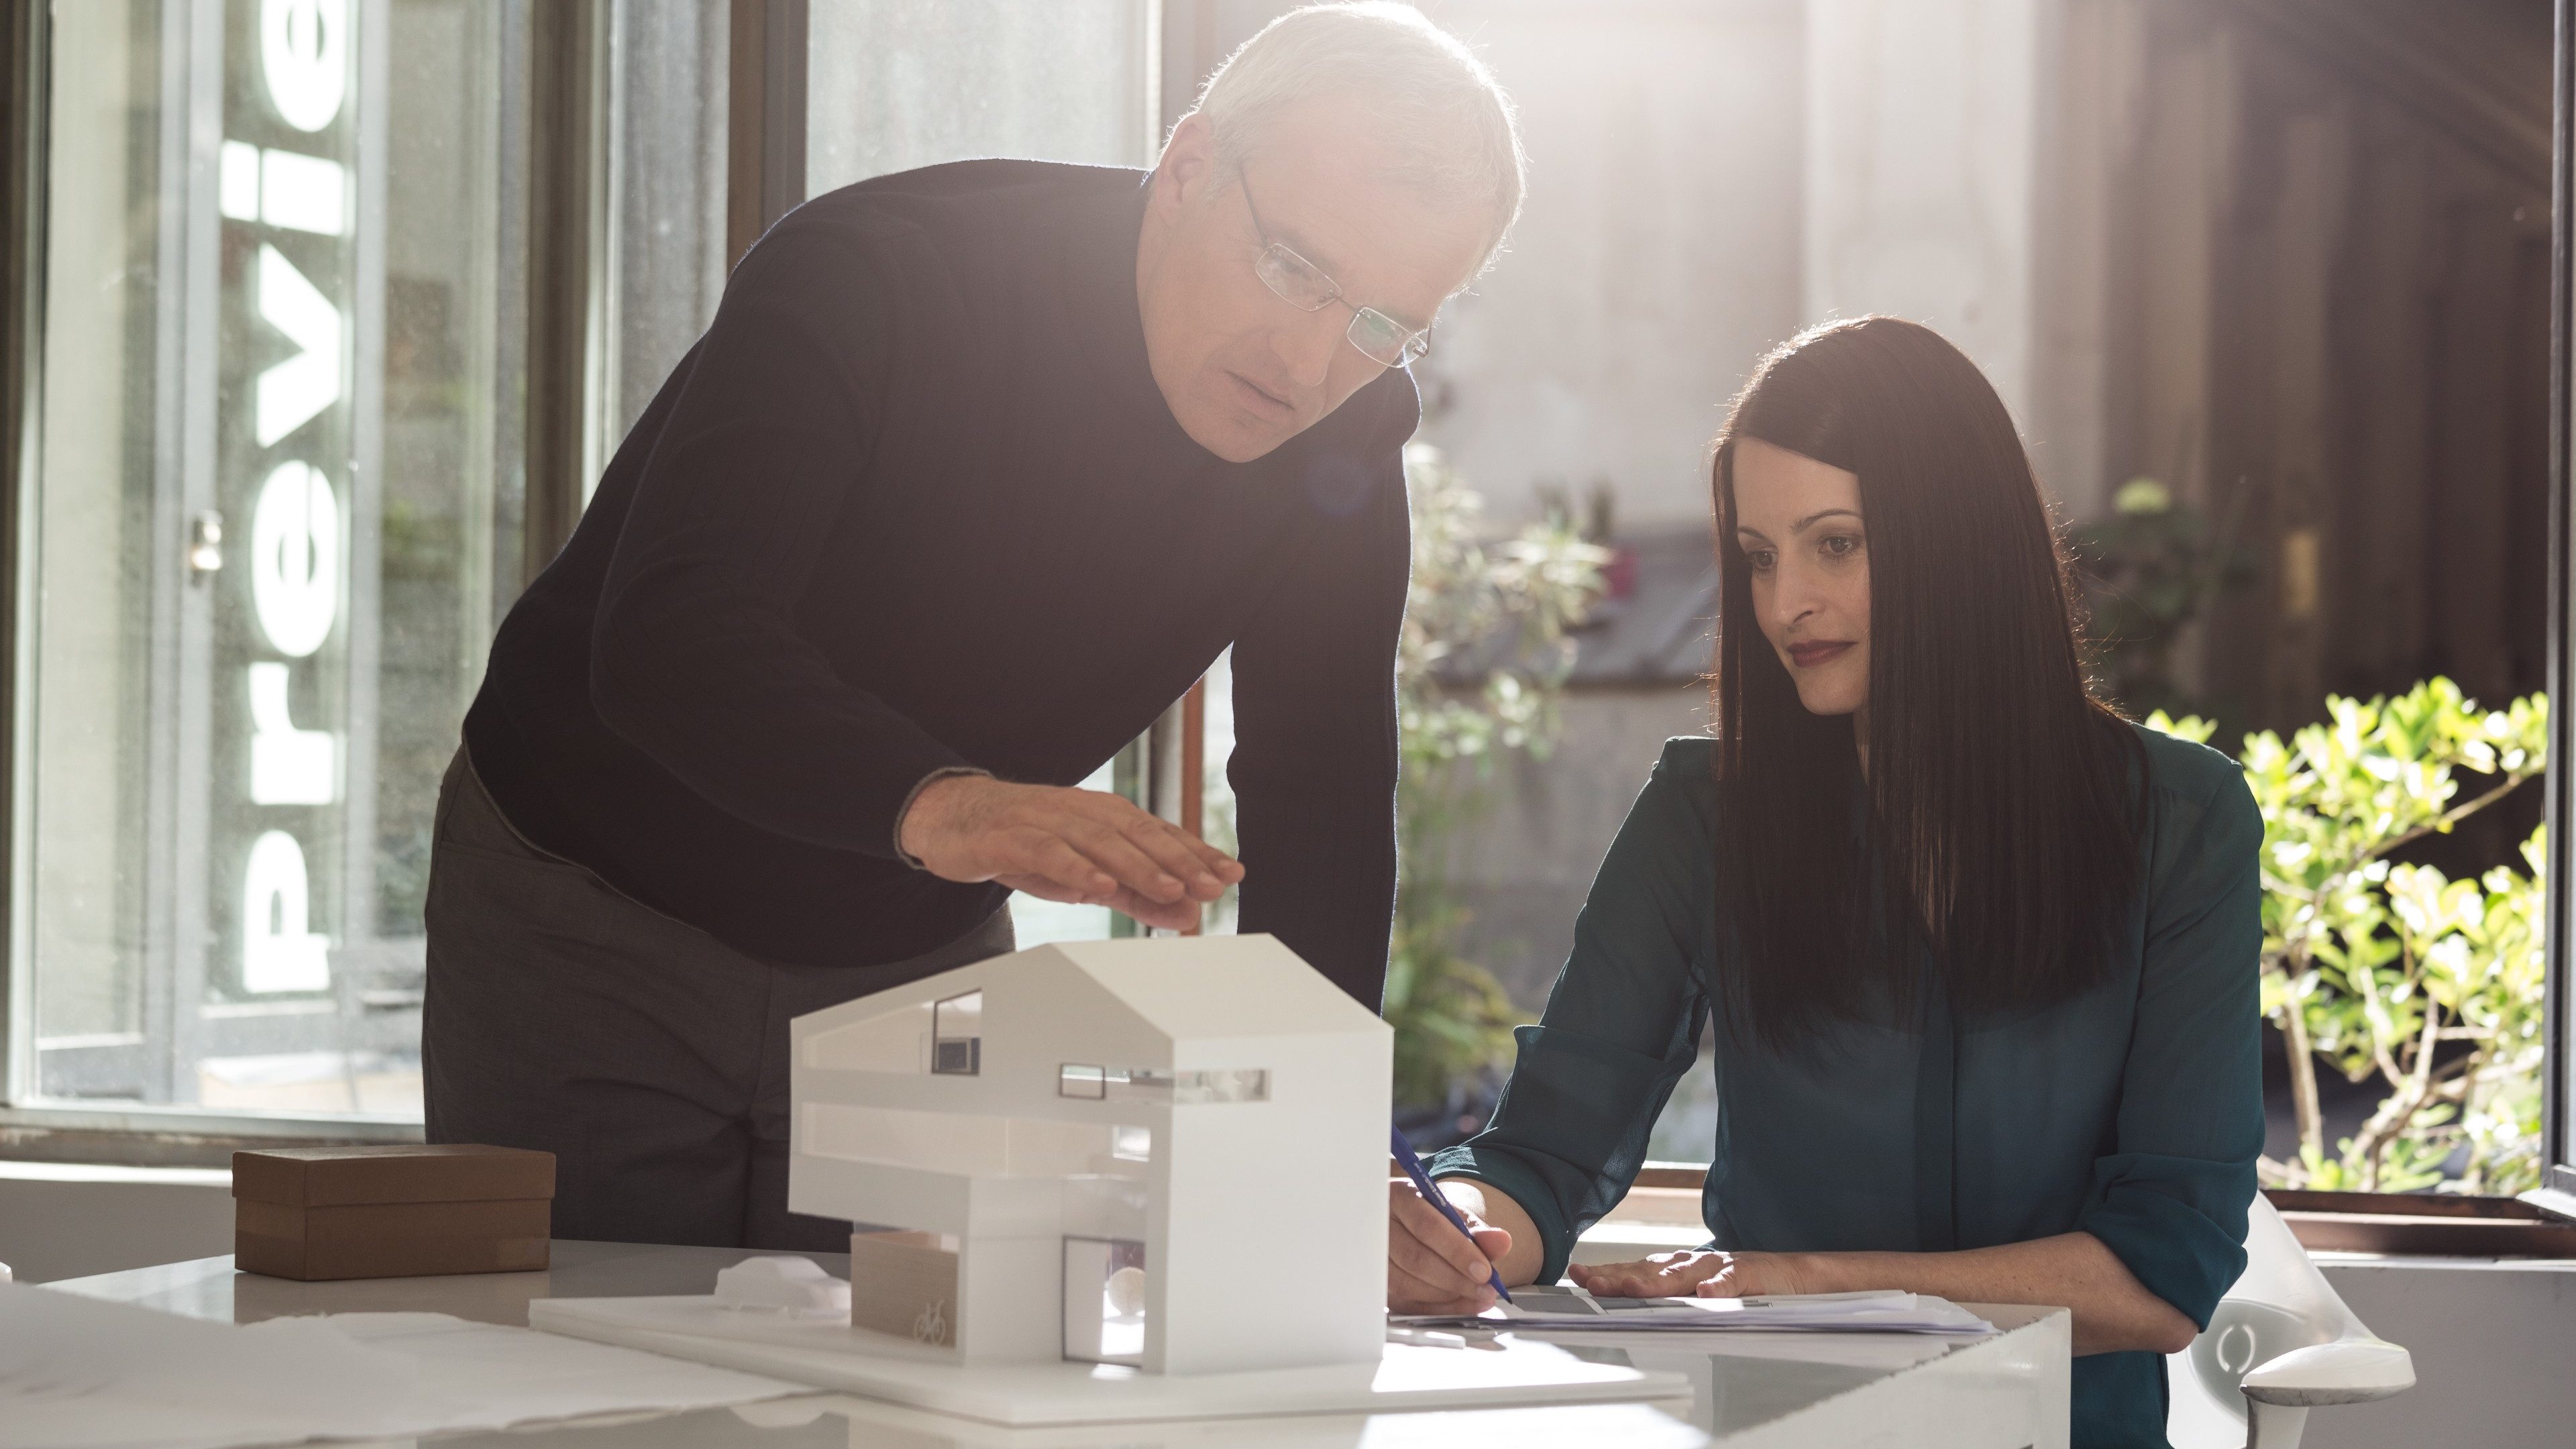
(446, 1172)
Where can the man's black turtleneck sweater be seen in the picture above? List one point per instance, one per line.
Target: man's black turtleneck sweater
(914, 501)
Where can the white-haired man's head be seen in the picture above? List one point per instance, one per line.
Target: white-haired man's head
(1344, 172)
(1446, 127)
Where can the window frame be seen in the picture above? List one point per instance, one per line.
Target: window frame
(2557, 1192)
(23, 76)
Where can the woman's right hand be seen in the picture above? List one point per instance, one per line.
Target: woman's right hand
(1430, 1266)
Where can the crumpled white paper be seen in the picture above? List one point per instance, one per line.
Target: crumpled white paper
(83, 1373)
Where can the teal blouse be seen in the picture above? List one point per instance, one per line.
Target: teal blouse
(2133, 1112)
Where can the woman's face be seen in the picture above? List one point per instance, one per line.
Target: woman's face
(1798, 522)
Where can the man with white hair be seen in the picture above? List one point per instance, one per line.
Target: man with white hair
(978, 467)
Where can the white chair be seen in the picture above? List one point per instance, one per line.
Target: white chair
(2280, 1344)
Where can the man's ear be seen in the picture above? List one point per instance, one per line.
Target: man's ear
(1188, 163)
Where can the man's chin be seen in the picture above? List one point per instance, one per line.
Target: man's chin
(1235, 436)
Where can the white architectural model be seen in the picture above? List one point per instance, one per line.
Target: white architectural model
(1168, 1154)
(1107, 1151)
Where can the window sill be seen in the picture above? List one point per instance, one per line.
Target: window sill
(2382, 1224)
(174, 1138)
(2423, 1225)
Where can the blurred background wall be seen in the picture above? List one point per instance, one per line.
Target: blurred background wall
(2287, 258)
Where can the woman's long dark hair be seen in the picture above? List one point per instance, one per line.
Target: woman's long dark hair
(2001, 793)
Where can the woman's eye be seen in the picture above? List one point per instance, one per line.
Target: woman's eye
(1840, 545)
(1761, 559)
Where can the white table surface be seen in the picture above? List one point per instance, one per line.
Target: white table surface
(1749, 1391)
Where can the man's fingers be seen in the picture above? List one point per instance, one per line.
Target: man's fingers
(1221, 865)
(1052, 857)
(974, 829)
(1125, 816)
(1043, 888)
(1115, 853)
(1222, 868)
(1178, 915)
(1170, 849)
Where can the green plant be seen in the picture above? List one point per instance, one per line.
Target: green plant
(2432, 985)
(2149, 569)
(1479, 664)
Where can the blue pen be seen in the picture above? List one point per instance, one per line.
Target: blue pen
(1412, 1165)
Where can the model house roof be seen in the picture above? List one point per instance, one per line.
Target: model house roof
(1017, 1021)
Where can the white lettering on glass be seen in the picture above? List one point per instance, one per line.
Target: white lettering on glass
(295, 558)
(288, 766)
(237, 181)
(296, 548)
(306, 193)
(283, 188)
(303, 52)
(292, 392)
(278, 952)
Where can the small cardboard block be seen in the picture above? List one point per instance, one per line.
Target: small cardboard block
(391, 1212)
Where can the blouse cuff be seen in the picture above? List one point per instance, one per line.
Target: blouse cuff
(2181, 1253)
(1498, 1168)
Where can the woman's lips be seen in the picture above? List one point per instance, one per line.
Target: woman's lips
(1808, 656)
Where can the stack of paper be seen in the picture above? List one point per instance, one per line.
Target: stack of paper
(1559, 1310)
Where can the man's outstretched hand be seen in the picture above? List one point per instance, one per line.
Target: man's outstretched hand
(1081, 846)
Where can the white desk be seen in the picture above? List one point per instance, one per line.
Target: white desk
(1767, 1391)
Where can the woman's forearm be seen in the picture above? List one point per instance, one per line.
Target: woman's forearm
(2113, 1311)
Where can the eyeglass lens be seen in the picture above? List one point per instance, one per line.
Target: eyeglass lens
(1301, 284)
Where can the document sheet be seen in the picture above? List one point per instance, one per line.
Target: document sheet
(1568, 1309)
(81, 1373)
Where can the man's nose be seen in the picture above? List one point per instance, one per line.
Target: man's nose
(1309, 350)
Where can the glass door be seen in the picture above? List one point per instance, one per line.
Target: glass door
(279, 425)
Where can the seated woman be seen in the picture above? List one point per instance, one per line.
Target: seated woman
(1980, 955)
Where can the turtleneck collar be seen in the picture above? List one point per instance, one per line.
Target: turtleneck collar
(1100, 290)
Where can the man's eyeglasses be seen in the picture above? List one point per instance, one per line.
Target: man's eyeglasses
(1303, 285)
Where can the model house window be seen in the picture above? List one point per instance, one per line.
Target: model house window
(1104, 1300)
(957, 1035)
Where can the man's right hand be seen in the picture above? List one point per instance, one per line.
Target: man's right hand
(1059, 844)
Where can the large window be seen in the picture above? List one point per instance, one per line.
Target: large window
(338, 306)
(276, 431)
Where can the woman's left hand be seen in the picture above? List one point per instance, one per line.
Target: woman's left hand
(1708, 1274)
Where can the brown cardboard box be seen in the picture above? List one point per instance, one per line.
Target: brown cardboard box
(391, 1212)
